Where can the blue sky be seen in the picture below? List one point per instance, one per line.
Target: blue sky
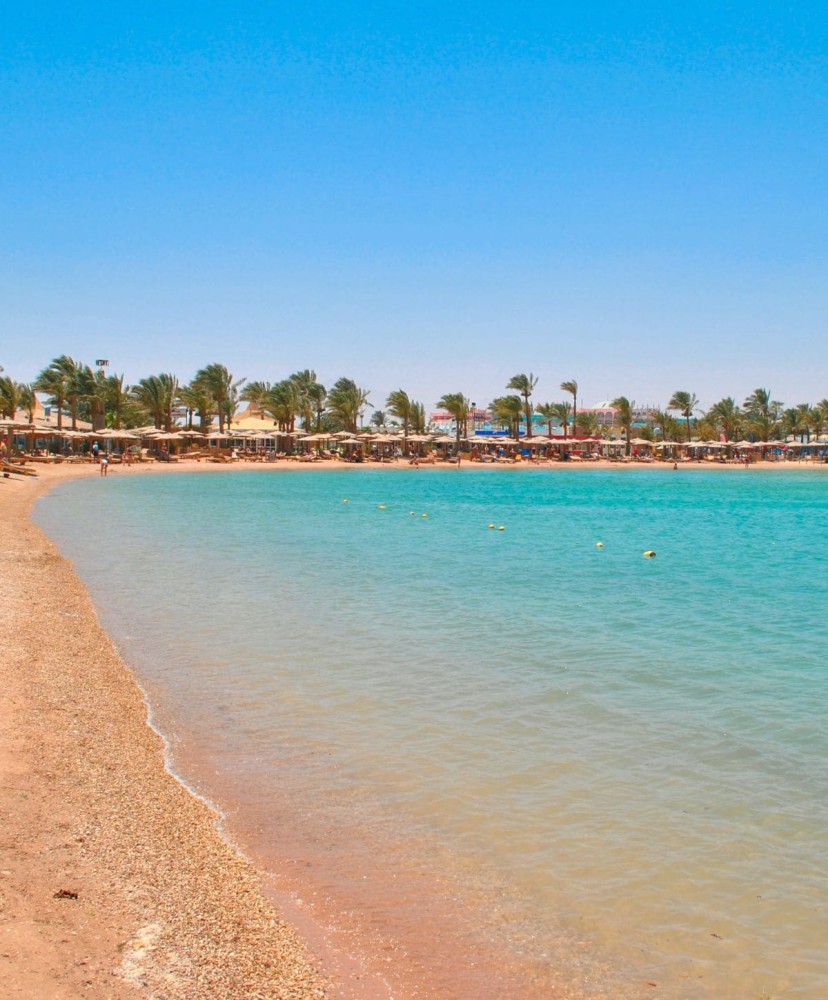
(423, 196)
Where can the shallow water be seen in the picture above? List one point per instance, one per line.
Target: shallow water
(623, 759)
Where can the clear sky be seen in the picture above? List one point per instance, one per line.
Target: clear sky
(427, 196)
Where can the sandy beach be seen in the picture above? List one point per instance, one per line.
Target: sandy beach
(112, 874)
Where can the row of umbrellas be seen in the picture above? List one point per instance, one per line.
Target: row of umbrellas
(346, 437)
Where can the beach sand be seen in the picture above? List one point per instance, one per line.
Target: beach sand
(112, 874)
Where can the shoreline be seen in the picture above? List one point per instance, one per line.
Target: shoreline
(162, 900)
(113, 875)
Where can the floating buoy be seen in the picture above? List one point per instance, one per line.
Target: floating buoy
(502, 528)
(423, 515)
(649, 554)
(599, 545)
(382, 506)
(491, 525)
(412, 513)
(346, 501)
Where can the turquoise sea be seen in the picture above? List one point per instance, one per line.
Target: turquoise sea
(613, 768)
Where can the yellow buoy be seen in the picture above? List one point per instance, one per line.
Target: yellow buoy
(502, 528)
(382, 506)
(649, 554)
(491, 525)
(423, 515)
(599, 545)
(346, 501)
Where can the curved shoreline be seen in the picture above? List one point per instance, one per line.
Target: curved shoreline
(89, 806)
(113, 874)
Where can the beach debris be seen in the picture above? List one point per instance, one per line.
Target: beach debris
(649, 554)
(65, 894)
(599, 545)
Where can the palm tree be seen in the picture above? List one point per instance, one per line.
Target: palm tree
(346, 400)
(588, 423)
(664, 422)
(549, 413)
(26, 399)
(158, 394)
(13, 397)
(685, 403)
(822, 409)
(53, 384)
(65, 371)
(819, 418)
(572, 387)
(400, 406)
(727, 417)
(458, 406)
(223, 388)
(524, 385)
(507, 410)
(805, 420)
(117, 399)
(378, 419)
(284, 403)
(563, 412)
(418, 417)
(94, 394)
(254, 393)
(8, 397)
(318, 399)
(624, 417)
(198, 401)
(309, 390)
(763, 414)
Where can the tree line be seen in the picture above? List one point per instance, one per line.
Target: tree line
(105, 400)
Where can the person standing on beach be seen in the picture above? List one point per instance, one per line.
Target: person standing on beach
(95, 449)
(104, 465)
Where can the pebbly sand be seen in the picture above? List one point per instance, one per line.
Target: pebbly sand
(112, 874)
